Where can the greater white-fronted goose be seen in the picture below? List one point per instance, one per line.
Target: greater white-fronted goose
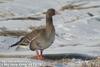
(40, 39)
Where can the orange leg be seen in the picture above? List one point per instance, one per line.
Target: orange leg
(39, 55)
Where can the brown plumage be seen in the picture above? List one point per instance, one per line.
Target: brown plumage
(40, 39)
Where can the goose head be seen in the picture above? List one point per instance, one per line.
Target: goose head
(50, 12)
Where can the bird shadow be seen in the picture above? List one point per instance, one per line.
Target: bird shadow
(68, 56)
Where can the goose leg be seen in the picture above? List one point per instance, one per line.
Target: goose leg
(39, 55)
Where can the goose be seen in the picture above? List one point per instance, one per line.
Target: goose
(40, 39)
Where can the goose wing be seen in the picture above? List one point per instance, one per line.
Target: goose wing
(28, 38)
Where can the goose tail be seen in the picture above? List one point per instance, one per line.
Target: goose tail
(17, 43)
